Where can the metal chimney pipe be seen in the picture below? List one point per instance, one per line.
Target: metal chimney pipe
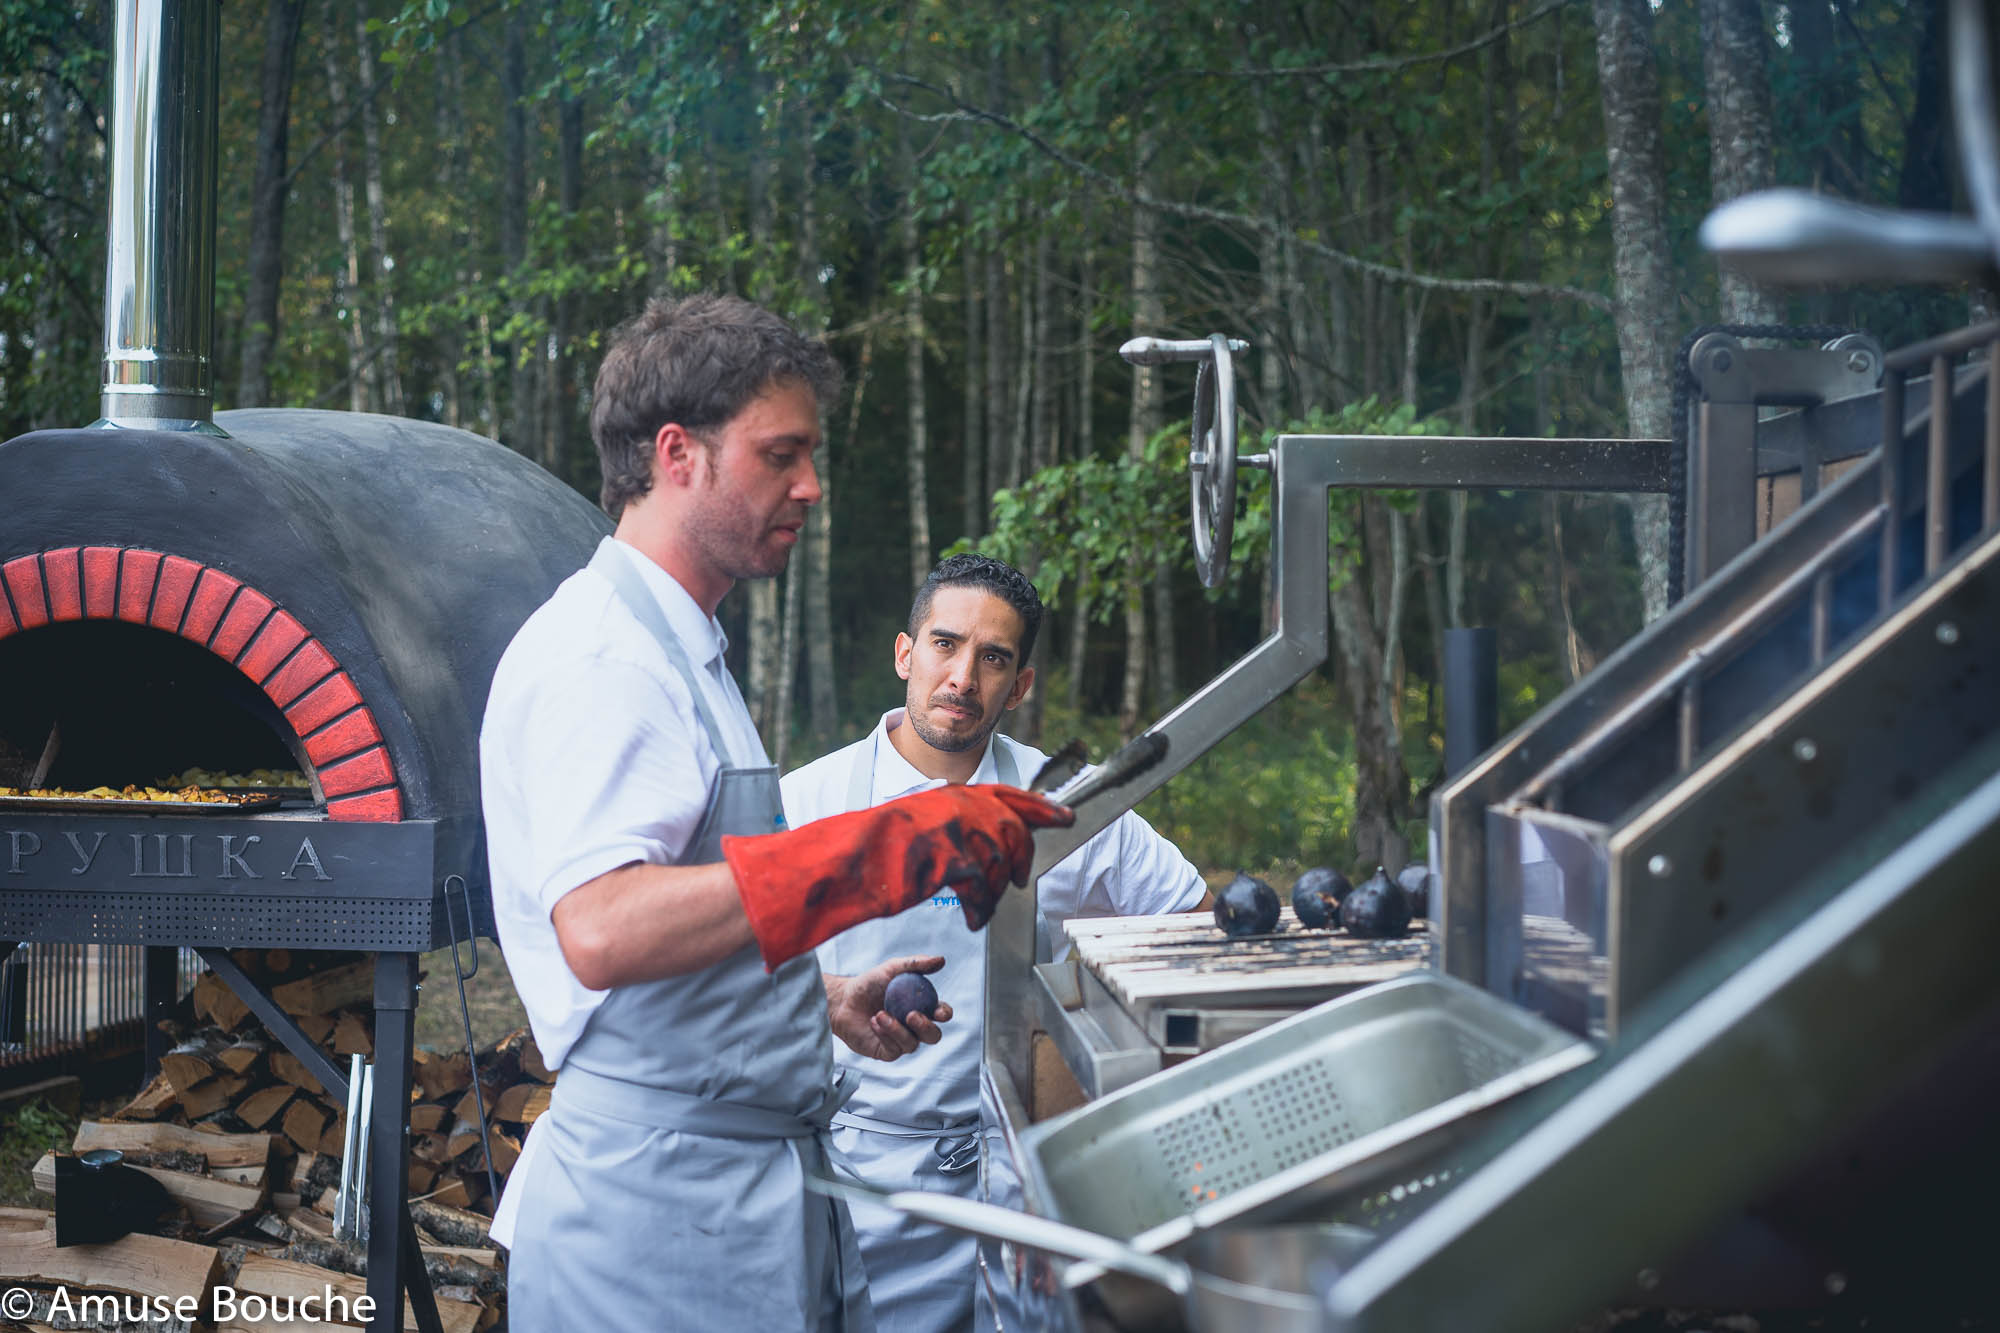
(159, 289)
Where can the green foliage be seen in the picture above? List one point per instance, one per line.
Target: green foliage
(26, 1133)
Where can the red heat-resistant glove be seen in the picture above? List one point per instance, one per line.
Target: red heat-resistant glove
(807, 885)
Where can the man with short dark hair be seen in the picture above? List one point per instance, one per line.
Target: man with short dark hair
(914, 1124)
(657, 922)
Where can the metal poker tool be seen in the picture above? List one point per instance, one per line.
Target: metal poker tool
(1072, 788)
(1060, 767)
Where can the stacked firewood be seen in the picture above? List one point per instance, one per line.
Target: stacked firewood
(225, 1072)
(248, 1144)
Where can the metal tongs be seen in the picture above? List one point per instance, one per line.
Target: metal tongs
(1068, 780)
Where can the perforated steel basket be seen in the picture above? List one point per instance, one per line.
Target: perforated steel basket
(1298, 1116)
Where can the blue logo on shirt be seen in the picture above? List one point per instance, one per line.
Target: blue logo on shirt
(944, 900)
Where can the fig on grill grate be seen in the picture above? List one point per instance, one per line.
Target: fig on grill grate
(1415, 880)
(1316, 897)
(1377, 909)
(1248, 906)
(909, 992)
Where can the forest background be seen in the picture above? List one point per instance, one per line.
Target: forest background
(1473, 216)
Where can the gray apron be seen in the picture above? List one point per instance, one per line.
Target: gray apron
(921, 1276)
(668, 1191)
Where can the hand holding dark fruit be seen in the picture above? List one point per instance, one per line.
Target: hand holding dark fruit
(1316, 897)
(859, 1009)
(1248, 906)
(908, 993)
(1377, 909)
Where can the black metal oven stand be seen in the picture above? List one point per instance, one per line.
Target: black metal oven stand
(394, 1258)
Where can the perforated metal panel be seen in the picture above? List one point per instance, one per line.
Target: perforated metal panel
(278, 881)
(239, 921)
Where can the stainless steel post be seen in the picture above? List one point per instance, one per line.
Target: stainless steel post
(1471, 696)
(159, 290)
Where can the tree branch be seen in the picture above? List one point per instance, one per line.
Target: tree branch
(86, 305)
(967, 113)
(1380, 64)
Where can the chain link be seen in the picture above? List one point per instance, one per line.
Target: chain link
(1684, 388)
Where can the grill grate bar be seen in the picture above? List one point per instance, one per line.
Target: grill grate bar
(1937, 469)
(1989, 509)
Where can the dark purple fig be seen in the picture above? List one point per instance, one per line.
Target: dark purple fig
(907, 993)
(1416, 880)
(1377, 909)
(1316, 897)
(1248, 906)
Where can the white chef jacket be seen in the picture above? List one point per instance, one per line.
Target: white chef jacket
(585, 767)
(1126, 870)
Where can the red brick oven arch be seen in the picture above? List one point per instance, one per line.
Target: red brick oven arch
(237, 623)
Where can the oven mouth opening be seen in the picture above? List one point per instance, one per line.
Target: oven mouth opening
(104, 703)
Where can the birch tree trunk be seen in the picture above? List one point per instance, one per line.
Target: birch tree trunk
(382, 280)
(822, 702)
(48, 355)
(521, 413)
(1736, 69)
(918, 443)
(267, 203)
(360, 374)
(972, 478)
(1642, 263)
(765, 627)
(1148, 317)
(562, 414)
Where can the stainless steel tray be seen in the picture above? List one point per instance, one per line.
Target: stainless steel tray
(1304, 1112)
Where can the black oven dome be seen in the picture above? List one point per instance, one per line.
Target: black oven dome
(409, 552)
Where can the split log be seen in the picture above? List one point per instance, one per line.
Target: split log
(216, 1003)
(523, 1103)
(285, 1280)
(453, 1193)
(215, 1095)
(193, 1061)
(333, 1139)
(429, 1117)
(242, 1055)
(263, 1106)
(531, 1062)
(137, 1265)
(351, 1035)
(317, 1027)
(440, 1076)
(242, 1158)
(210, 1202)
(293, 1071)
(324, 992)
(450, 1225)
(154, 1101)
(26, 1219)
(305, 1124)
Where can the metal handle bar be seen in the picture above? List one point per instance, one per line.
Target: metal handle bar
(1166, 351)
(1790, 236)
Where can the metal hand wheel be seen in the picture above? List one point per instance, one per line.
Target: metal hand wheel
(1212, 442)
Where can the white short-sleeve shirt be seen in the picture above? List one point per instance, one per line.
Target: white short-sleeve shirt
(592, 757)
(1126, 870)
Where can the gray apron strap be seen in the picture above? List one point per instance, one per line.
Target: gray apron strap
(861, 778)
(1005, 770)
(639, 600)
(665, 1108)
